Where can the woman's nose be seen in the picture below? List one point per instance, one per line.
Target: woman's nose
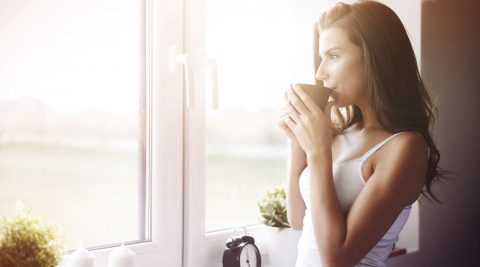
(321, 74)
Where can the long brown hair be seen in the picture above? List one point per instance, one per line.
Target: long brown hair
(394, 86)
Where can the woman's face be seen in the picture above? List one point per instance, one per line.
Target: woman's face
(342, 67)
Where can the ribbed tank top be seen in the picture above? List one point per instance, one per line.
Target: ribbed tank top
(349, 181)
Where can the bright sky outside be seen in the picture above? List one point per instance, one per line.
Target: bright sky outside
(261, 47)
(72, 55)
(76, 55)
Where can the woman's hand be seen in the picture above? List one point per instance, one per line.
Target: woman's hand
(282, 119)
(308, 124)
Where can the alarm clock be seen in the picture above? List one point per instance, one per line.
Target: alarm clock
(241, 251)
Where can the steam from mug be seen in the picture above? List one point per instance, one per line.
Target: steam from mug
(317, 92)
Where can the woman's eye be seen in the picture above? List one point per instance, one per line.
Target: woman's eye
(333, 56)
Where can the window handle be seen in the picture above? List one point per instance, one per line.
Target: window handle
(188, 62)
(211, 65)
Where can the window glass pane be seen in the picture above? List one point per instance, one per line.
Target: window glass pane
(69, 106)
(260, 48)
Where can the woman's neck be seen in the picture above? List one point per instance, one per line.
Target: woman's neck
(369, 120)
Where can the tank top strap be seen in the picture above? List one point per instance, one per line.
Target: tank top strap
(378, 146)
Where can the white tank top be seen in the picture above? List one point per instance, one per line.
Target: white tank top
(349, 181)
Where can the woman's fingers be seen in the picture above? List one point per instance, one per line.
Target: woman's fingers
(297, 100)
(283, 125)
(306, 100)
(286, 114)
(290, 124)
(289, 109)
(294, 116)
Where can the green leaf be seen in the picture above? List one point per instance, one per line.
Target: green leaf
(273, 208)
(25, 240)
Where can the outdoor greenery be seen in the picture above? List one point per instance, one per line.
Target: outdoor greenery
(27, 241)
(273, 209)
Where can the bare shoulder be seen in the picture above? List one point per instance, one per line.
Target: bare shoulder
(409, 144)
(406, 156)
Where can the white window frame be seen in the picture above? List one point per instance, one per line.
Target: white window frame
(163, 27)
(202, 249)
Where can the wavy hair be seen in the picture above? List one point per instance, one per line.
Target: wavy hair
(394, 87)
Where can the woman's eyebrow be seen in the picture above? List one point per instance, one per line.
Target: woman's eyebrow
(330, 49)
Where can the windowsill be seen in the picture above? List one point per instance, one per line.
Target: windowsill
(397, 252)
(261, 240)
(265, 259)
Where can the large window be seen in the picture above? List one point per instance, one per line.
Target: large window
(72, 127)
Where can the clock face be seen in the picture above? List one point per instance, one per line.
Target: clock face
(249, 256)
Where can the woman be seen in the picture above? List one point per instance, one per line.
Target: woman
(353, 176)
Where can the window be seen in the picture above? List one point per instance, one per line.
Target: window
(235, 152)
(73, 132)
(85, 99)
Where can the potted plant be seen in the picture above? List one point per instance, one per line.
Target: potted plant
(282, 245)
(27, 241)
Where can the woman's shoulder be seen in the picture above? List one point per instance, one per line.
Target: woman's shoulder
(410, 138)
(404, 157)
(405, 144)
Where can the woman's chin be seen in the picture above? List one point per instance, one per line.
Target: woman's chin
(339, 103)
(336, 102)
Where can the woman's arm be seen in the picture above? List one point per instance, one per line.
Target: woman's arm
(396, 182)
(297, 161)
(295, 205)
(398, 177)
